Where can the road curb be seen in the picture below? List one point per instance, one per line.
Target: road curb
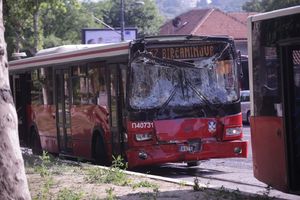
(189, 183)
(155, 177)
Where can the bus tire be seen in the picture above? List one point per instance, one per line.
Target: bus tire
(193, 163)
(99, 153)
(36, 142)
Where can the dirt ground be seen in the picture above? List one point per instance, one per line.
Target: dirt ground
(59, 179)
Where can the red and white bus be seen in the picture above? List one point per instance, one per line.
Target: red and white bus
(154, 100)
(274, 71)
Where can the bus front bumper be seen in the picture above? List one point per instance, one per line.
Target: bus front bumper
(164, 153)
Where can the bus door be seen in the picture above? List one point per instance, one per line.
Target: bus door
(116, 104)
(21, 93)
(267, 132)
(290, 55)
(63, 117)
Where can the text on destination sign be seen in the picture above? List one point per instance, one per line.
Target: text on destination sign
(186, 52)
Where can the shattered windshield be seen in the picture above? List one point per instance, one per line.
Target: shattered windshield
(157, 82)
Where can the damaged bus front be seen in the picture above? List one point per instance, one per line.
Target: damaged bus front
(183, 100)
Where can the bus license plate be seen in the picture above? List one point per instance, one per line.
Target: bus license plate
(186, 148)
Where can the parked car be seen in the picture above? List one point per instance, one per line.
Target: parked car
(245, 105)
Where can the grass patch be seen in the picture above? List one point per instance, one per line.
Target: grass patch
(144, 184)
(42, 169)
(114, 174)
(110, 194)
(67, 194)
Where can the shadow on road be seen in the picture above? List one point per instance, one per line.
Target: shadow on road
(183, 171)
(204, 193)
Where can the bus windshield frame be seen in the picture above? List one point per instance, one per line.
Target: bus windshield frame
(209, 80)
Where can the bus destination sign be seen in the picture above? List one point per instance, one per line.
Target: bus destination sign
(183, 52)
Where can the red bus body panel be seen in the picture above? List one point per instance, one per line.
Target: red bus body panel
(163, 148)
(182, 129)
(170, 135)
(44, 118)
(159, 154)
(269, 164)
(84, 119)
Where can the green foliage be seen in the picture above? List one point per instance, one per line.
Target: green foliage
(32, 25)
(196, 185)
(252, 6)
(94, 175)
(268, 5)
(110, 194)
(67, 194)
(182, 183)
(114, 174)
(43, 170)
(44, 192)
(118, 163)
(65, 27)
(145, 17)
(144, 184)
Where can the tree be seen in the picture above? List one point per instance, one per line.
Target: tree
(16, 21)
(65, 27)
(268, 5)
(145, 17)
(13, 182)
(36, 24)
(32, 25)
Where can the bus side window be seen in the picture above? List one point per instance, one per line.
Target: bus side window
(46, 80)
(97, 88)
(80, 94)
(102, 99)
(36, 88)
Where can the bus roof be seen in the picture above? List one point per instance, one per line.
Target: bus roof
(274, 14)
(170, 38)
(70, 53)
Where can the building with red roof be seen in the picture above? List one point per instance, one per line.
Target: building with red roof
(210, 21)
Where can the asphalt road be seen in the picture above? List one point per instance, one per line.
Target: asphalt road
(233, 173)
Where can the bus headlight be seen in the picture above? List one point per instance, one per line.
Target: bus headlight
(234, 131)
(143, 136)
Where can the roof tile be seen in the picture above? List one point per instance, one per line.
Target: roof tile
(208, 22)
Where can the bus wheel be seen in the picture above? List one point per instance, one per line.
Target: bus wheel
(36, 143)
(193, 163)
(99, 152)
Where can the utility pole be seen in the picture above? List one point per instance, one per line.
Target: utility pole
(122, 20)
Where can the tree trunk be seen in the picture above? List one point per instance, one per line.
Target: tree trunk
(13, 182)
(36, 26)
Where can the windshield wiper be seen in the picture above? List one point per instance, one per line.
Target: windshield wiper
(204, 99)
(168, 100)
